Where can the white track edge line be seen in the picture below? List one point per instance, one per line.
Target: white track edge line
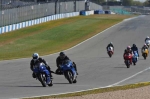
(129, 77)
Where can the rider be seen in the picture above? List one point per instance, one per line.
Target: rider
(110, 45)
(147, 38)
(144, 47)
(62, 58)
(36, 59)
(134, 48)
(127, 51)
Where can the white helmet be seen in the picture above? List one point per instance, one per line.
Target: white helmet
(147, 37)
(35, 56)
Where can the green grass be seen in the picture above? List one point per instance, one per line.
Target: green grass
(96, 91)
(53, 36)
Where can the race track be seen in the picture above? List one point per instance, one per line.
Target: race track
(95, 68)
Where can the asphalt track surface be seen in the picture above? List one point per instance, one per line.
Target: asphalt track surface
(95, 68)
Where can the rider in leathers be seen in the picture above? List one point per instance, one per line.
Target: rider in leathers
(147, 38)
(128, 51)
(134, 48)
(36, 59)
(110, 45)
(144, 47)
(62, 58)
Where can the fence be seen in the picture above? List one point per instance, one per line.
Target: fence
(25, 13)
(40, 20)
(140, 10)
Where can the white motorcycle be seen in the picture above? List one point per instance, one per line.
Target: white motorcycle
(147, 43)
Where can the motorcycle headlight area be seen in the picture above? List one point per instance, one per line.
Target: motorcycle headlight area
(67, 65)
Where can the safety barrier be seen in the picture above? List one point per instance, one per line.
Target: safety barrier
(37, 21)
(83, 12)
(99, 12)
(120, 11)
(90, 12)
(41, 20)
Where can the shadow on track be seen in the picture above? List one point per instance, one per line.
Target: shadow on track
(105, 57)
(28, 86)
(61, 83)
(141, 59)
(121, 66)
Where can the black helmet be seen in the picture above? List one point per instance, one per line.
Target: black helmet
(62, 55)
(134, 45)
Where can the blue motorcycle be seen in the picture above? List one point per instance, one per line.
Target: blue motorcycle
(69, 71)
(42, 74)
(135, 57)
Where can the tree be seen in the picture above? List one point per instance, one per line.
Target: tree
(137, 3)
(98, 1)
(113, 0)
(127, 2)
(146, 3)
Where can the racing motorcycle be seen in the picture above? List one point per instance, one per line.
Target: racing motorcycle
(42, 74)
(147, 43)
(127, 58)
(135, 57)
(69, 71)
(145, 53)
(110, 51)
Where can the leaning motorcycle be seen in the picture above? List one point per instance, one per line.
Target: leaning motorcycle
(147, 43)
(135, 57)
(127, 58)
(42, 74)
(69, 71)
(145, 53)
(110, 51)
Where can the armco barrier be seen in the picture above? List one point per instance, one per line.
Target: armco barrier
(36, 21)
(82, 12)
(99, 12)
(107, 12)
(40, 20)
(87, 12)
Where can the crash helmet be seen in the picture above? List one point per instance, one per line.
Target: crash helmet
(35, 56)
(128, 47)
(147, 37)
(111, 43)
(62, 55)
(145, 45)
(134, 45)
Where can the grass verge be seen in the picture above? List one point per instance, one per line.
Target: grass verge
(54, 36)
(96, 91)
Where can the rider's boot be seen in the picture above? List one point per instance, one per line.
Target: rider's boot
(33, 75)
